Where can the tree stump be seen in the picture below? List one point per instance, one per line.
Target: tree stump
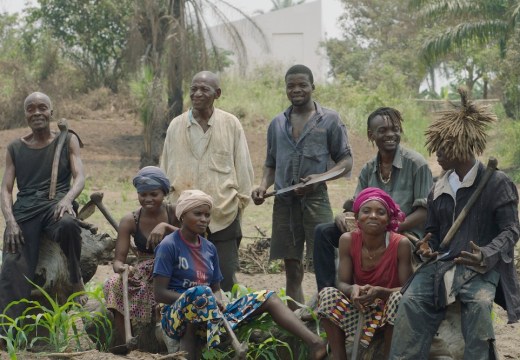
(52, 273)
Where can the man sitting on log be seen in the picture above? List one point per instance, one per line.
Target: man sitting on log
(43, 164)
(472, 228)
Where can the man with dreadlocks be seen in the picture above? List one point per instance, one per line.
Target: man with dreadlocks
(402, 173)
(477, 266)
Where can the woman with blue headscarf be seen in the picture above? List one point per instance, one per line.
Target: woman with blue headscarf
(147, 226)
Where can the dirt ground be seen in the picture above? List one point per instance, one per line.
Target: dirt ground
(112, 140)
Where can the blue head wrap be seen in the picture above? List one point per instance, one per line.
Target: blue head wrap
(151, 178)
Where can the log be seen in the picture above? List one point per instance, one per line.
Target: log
(52, 273)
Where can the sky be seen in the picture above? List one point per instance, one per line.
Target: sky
(331, 11)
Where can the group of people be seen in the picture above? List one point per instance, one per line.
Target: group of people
(185, 260)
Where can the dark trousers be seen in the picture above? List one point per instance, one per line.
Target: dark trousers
(326, 240)
(16, 267)
(227, 242)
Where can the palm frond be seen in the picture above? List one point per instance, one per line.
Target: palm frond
(480, 32)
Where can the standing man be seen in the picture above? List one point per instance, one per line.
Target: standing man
(301, 141)
(206, 149)
(477, 265)
(30, 160)
(402, 173)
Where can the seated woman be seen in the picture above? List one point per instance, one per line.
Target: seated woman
(374, 262)
(147, 225)
(187, 278)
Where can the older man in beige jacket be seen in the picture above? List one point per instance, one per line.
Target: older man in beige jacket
(206, 149)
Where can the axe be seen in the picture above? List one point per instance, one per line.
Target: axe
(97, 198)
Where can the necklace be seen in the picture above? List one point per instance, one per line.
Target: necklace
(383, 180)
(371, 257)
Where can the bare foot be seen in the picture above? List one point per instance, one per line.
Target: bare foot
(82, 298)
(318, 350)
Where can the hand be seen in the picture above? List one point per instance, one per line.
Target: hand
(119, 267)
(341, 222)
(64, 206)
(258, 195)
(220, 305)
(304, 189)
(368, 295)
(354, 297)
(473, 258)
(423, 248)
(13, 239)
(156, 236)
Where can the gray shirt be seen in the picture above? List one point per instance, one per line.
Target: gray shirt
(324, 138)
(409, 184)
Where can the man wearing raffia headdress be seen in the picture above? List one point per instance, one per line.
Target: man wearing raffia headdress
(476, 267)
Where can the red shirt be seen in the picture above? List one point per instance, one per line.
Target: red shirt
(385, 272)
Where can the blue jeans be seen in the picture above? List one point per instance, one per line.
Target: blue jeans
(418, 319)
(326, 240)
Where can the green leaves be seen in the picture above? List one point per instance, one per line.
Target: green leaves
(54, 324)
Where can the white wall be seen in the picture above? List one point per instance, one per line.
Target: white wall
(292, 36)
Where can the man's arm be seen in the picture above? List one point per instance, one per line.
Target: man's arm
(243, 168)
(267, 181)
(415, 219)
(78, 183)
(423, 182)
(13, 235)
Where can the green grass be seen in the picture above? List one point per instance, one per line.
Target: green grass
(54, 326)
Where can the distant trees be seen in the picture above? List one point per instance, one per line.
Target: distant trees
(477, 27)
(177, 45)
(92, 34)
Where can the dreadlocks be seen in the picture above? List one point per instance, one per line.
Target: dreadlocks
(461, 131)
(386, 112)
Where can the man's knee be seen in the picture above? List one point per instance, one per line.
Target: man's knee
(69, 225)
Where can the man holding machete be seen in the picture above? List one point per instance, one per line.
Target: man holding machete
(301, 142)
(476, 264)
(43, 164)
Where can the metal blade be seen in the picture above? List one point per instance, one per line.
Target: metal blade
(317, 179)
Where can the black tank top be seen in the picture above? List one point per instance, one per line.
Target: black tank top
(33, 169)
(139, 239)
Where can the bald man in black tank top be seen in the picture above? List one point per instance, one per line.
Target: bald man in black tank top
(29, 160)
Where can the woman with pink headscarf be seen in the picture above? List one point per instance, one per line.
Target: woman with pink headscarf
(374, 262)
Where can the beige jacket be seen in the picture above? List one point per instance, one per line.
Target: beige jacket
(224, 170)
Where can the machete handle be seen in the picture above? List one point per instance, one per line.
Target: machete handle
(490, 169)
(269, 194)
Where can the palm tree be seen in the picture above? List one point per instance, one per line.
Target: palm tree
(176, 37)
(282, 4)
(468, 22)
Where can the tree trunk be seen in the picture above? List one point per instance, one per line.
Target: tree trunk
(52, 273)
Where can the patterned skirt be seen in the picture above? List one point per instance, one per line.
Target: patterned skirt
(336, 307)
(198, 306)
(140, 292)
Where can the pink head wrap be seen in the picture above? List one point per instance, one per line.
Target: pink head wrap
(190, 199)
(394, 212)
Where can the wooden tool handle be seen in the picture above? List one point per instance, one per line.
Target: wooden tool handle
(126, 306)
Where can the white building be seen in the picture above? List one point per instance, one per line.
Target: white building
(291, 36)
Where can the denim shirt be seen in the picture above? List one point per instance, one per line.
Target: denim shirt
(323, 140)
